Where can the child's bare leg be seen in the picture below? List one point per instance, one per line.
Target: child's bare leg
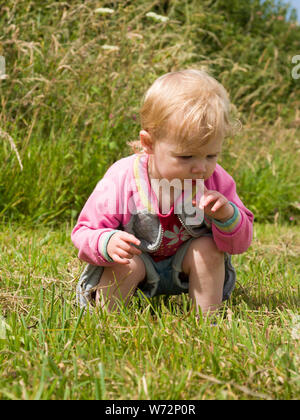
(119, 282)
(204, 264)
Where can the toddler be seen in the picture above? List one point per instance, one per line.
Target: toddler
(134, 244)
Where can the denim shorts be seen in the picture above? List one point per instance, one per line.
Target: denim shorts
(162, 278)
(167, 278)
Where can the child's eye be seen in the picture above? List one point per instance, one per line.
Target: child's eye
(185, 157)
(211, 156)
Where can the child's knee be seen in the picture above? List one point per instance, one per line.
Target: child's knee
(202, 250)
(135, 269)
(137, 266)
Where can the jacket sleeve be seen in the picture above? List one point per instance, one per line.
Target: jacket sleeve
(98, 220)
(234, 236)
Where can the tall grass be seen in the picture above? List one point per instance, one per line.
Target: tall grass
(76, 77)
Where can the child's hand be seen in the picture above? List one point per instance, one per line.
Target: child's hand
(121, 247)
(216, 205)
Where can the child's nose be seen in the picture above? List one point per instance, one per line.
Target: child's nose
(199, 167)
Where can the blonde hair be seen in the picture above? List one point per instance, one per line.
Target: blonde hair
(190, 104)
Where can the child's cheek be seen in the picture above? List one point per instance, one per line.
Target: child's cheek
(211, 169)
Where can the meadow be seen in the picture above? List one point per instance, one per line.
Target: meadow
(150, 350)
(76, 73)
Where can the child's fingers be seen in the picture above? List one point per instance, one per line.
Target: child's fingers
(207, 199)
(131, 249)
(125, 254)
(128, 237)
(124, 249)
(119, 260)
(217, 206)
(129, 244)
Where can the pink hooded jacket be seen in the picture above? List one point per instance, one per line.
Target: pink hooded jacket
(123, 199)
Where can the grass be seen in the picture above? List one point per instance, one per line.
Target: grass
(69, 104)
(49, 349)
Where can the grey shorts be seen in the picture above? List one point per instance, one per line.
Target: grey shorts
(162, 278)
(167, 278)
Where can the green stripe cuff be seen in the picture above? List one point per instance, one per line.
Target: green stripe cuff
(230, 224)
(104, 241)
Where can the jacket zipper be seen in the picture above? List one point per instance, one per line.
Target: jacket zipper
(185, 226)
(160, 241)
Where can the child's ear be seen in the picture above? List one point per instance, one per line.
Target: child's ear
(146, 142)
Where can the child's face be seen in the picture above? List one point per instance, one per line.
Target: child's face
(169, 162)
